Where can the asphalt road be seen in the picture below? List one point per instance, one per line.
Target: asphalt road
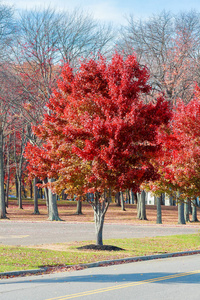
(37, 233)
(162, 279)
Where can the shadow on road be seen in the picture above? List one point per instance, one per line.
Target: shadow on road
(118, 278)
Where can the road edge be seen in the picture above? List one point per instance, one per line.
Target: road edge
(96, 264)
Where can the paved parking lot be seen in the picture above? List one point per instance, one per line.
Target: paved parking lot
(37, 233)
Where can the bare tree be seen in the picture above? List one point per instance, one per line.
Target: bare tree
(167, 44)
(7, 31)
(19, 142)
(45, 41)
(6, 36)
(79, 35)
(7, 120)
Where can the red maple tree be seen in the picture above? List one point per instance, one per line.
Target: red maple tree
(179, 159)
(100, 135)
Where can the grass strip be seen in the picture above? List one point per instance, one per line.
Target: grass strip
(14, 258)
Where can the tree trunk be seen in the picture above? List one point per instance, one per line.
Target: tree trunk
(7, 192)
(131, 196)
(122, 201)
(159, 210)
(64, 196)
(16, 186)
(24, 191)
(31, 190)
(117, 199)
(8, 173)
(186, 211)
(135, 197)
(128, 198)
(53, 209)
(138, 205)
(141, 206)
(46, 193)
(19, 180)
(2, 195)
(79, 207)
(190, 207)
(181, 219)
(194, 210)
(36, 209)
(100, 208)
(41, 193)
(99, 221)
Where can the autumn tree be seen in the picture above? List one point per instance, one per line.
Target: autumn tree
(45, 40)
(100, 135)
(179, 159)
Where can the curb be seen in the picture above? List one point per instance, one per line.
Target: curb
(138, 258)
(17, 273)
(104, 263)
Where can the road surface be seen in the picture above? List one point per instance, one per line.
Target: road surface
(37, 233)
(162, 279)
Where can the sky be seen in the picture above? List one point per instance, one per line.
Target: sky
(114, 11)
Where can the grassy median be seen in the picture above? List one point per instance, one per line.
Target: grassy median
(14, 258)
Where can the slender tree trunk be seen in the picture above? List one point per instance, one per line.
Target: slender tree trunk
(128, 198)
(131, 196)
(16, 186)
(122, 201)
(194, 210)
(31, 190)
(24, 191)
(8, 173)
(138, 205)
(100, 208)
(186, 211)
(2, 195)
(170, 201)
(141, 206)
(190, 207)
(99, 221)
(46, 193)
(79, 207)
(36, 209)
(41, 193)
(64, 196)
(53, 209)
(181, 219)
(19, 192)
(159, 210)
(7, 191)
(135, 197)
(117, 199)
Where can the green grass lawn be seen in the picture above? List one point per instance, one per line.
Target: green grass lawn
(22, 258)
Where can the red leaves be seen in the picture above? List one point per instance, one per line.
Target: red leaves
(99, 123)
(180, 157)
